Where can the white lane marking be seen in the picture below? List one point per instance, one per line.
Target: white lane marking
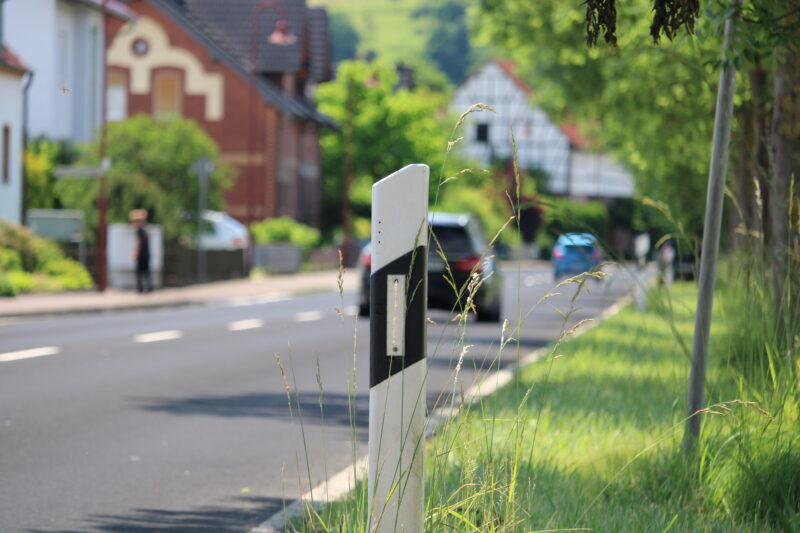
(158, 336)
(351, 310)
(27, 354)
(308, 316)
(242, 301)
(241, 325)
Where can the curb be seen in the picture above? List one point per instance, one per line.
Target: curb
(342, 482)
(198, 301)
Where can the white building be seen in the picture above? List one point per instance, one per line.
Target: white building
(61, 41)
(559, 151)
(12, 73)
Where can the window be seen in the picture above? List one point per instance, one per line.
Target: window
(482, 133)
(6, 154)
(116, 96)
(167, 94)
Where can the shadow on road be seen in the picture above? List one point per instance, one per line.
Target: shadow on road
(338, 409)
(211, 519)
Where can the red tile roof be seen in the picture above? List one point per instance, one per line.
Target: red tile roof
(8, 58)
(568, 128)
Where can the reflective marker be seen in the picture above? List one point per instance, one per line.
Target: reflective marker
(398, 303)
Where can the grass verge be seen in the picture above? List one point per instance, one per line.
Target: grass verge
(589, 439)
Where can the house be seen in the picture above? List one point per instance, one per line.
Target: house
(12, 73)
(245, 71)
(559, 150)
(61, 41)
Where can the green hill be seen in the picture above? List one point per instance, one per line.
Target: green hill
(386, 27)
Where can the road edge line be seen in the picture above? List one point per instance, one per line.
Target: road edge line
(342, 482)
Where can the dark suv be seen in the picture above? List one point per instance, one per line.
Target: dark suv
(463, 245)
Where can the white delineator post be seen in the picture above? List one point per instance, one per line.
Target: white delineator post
(398, 339)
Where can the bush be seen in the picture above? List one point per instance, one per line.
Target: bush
(10, 260)
(69, 273)
(7, 288)
(287, 230)
(35, 264)
(565, 216)
(34, 251)
(21, 281)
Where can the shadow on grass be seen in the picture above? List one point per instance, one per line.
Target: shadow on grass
(207, 519)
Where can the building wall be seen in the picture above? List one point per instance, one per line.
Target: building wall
(598, 176)
(11, 117)
(62, 44)
(540, 143)
(212, 94)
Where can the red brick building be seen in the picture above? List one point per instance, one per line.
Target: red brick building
(224, 64)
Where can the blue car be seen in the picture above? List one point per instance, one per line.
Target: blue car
(575, 253)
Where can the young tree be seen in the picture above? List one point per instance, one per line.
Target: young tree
(388, 129)
(151, 169)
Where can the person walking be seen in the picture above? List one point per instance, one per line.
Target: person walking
(141, 253)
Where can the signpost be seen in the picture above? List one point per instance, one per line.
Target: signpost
(95, 173)
(202, 168)
(398, 339)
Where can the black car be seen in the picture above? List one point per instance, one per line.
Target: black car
(465, 249)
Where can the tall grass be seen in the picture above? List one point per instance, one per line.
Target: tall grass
(589, 437)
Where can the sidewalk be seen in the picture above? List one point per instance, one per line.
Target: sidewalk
(112, 299)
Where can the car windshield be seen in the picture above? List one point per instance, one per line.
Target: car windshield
(453, 240)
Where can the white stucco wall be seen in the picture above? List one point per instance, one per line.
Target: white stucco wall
(11, 116)
(61, 42)
(540, 143)
(597, 175)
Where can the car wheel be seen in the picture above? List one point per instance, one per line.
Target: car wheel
(363, 310)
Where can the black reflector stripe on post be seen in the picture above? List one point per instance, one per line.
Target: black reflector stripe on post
(414, 266)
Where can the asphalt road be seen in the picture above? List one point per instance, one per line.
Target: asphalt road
(177, 420)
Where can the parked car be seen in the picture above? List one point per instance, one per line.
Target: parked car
(575, 253)
(223, 232)
(463, 244)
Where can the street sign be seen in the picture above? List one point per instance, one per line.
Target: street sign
(398, 343)
(83, 172)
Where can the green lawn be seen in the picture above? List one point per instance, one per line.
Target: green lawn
(589, 438)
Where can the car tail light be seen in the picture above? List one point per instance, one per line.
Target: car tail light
(596, 255)
(366, 260)
(238, 242)
(468, 264)
(558, 253)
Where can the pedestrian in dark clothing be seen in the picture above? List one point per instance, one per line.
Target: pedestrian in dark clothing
(142, 251)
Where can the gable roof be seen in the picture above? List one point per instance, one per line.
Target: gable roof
(216, 39)
(11, 61)
(568, 128)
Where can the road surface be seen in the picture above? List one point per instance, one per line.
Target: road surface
(177, 420)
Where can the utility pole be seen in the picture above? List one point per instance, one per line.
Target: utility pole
(203, 168)
(711, 230)
(101, 200)
(349, 134)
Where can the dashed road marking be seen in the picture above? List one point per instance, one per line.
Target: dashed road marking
(28, 354)
(241, 325)
(256, 300)
(308, 316)
(158, 336)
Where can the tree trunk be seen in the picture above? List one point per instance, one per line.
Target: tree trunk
(786, 155)
(742, 220)
(761, 123)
